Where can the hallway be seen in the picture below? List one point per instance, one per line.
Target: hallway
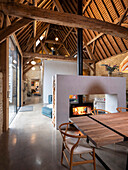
(33, 144)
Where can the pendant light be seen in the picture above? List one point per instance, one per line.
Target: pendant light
(33, 62)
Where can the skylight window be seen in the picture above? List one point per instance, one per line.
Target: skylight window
(37, 42)
(40, 39)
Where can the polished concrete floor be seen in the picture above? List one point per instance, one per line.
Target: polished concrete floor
(32, 143)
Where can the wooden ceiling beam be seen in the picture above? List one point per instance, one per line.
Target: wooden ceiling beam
(86, 5)
(22, 33)
(1, 20)
(67, 51)
(46, 34)
(27, 60)
(65, 38)
(27, 69)
(4, 33)
(89, 66)
(115, 47)
(34, 26)
(53, 57)
(53, 42)
(32, 41)
(117, 21)
(59, 7)
(47, 56)
(15, 38)
(91, 56)
(99, 55)
(123, 16)
(87, 48)
(103, 47)
(42, 3)
(125, 25)
(93, 47)
(44, 47)
(65, 19)
(72, 40)
(47, 29)
(23, 39)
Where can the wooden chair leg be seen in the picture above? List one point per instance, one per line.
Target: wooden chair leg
(71, 159)
(62, 155)
(94, 160)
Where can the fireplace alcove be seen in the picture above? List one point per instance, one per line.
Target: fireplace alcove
(80, 109)
(114, 89)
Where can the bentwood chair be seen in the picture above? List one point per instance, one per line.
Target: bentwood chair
(121, 109)
(75, 145)
(99, 111)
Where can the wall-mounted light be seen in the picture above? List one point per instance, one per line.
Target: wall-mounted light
(33, 62)
(33, 68)
(14, 61)
(27, 62)
(56, 39)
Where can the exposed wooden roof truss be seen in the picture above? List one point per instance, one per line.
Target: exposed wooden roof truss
(98, 43)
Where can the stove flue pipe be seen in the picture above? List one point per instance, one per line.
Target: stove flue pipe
(80, 49)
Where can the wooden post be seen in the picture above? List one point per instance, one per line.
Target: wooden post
(4, 67)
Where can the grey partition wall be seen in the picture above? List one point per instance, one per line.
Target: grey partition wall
(65, 85)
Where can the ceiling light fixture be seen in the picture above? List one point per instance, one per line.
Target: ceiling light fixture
(33, 68)
(52, 48)
(27, 62)
(33, 62)
(56, 39)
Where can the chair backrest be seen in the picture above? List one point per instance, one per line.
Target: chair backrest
(99, 111)
(120, 109)
(63, 128)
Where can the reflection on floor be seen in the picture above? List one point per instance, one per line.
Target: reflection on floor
(33, 144)
(12, 112)
(33, 100)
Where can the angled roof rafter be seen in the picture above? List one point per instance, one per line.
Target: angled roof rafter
(70, 20)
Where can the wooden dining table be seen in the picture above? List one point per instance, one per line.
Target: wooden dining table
(104, 129)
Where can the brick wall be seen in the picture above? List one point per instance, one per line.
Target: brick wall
(1, 103)
(101, 70)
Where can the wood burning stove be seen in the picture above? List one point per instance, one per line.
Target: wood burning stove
(82, 109)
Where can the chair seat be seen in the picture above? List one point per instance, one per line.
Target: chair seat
(75, 144)
(83, 146)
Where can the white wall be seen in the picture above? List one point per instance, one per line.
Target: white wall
(55, 67)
